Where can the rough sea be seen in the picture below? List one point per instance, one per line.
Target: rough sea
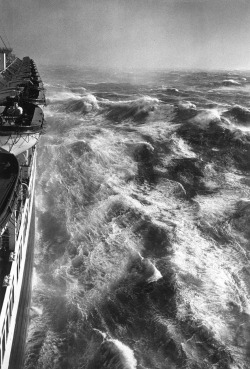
(142, 221)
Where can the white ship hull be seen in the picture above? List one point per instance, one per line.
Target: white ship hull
(13, 290)
(21, 123)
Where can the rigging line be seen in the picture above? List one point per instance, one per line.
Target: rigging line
(7, 40)
(3, 42)
(6, 37)
(5, 34)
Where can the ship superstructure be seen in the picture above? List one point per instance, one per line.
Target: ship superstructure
(21, 123)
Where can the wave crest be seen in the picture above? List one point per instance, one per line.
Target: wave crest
(82, 105)
(240, 113)
(138, 109)
(113, 354)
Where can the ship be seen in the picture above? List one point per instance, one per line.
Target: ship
(22, 96)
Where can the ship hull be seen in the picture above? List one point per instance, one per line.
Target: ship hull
(20, 333)
(21, 123)
(18, 276)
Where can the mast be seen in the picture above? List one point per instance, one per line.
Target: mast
(4, 51)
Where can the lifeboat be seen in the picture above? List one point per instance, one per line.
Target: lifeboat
(19, 133)
(9, 169)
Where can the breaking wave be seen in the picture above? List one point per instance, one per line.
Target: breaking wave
(230, 82)
(82, 105)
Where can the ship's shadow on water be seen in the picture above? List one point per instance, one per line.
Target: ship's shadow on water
(142, 249)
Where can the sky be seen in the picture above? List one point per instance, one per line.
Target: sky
(144, 34)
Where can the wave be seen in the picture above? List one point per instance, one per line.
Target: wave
(171, 91)
(239, 113)
(216, 127)
(152, 274)
(59, 97)
(186, 105)
(142, 269)
(138, 109)
(78, 148)
(230, 82)
(113, 354)
(185, 110)
(205, 117)
(81, 105)
(241, 218)
(78, 90)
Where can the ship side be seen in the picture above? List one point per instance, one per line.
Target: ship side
(21, 123)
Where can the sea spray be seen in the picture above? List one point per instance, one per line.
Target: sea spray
(113, 354)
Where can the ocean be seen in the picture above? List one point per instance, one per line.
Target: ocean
(142, 221)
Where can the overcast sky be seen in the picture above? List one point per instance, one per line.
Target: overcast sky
(131, 33)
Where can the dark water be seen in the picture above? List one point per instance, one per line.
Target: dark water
(143, 218)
